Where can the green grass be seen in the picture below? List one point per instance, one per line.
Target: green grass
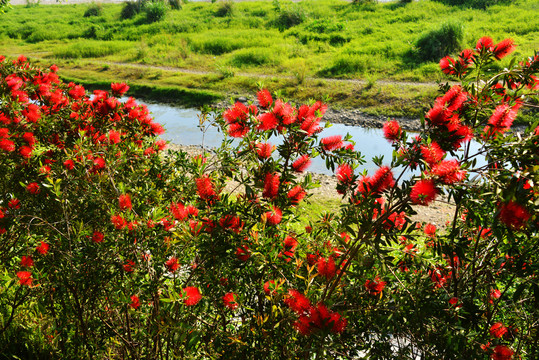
(303, 40)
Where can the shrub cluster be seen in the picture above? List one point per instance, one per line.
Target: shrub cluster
(113, 249)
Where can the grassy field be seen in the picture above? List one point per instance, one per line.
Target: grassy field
(217, 49)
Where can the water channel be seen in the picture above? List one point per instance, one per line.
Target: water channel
(181, 126)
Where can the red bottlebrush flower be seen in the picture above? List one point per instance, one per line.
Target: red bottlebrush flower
(14, 204)
(237, 130)
(32, 113)
(267, 121)
(2, 213)
(331, 143)
(449, 172)
(503, 48)
(302, 163)
(502, 352)
(69, 164)
(118, 221)
(430, 230)
(453, 98)
(447, 65)
(243, 253)
(135, 302)
(27, 261)
(494, 295)
(296, 194)
(205, 188)
(231, 222)
(503, 117)
(392, 131)
(344, 174)
(236, 113)
(423, 192)
(179, 211)
(33, 188)
(271, 186)
(432, 153)
(297, 302)
(466, 57)
(29, 138)
(124, 202)
(25, 278)
(77, 92)
(98, 237)
(484, 44)
(119, 89)
(498, 330)
(264, 98)
(290, 243)
(311, 125)
(229, 300)
(513, 215)
(438, 115)
(129, 266)
(43, 248)
(114, 137)
(157, 129)
(7, 145)
(172, 264)
(99, 163)
(375, 287)
(26, 151)
(381, 180)
(326, 268)
(274, 216)
(192, 295)
(264, 150)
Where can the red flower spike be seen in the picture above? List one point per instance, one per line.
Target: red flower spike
(69, 164)
(432, 153)
(503, 48)
(392, 131)
(296, 194)
(267, 121)
(229, 300)
(423, 192)
(297, 302)
(498, 330)
(326, 268)
(449, 172)
(375, 287)
(502, 352)
(25, 278)
(98, 237)
(135, 302)
(27, 261)
(192, 295)
(243, 253)
(119, 89)
(264, 150)
(43, 248)
(172, 264)
(344, 173)
(430, 230)
(271, 186)
(205, 189)
(447, 65)
(33, 188)
(264, 98)
(124, 202)
(14, 204)
(331, 143)
(381, 180)
(274, 216)
(118, 221)
(513, 215)
(484, 44)
(302, 163)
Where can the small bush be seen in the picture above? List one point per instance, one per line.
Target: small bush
(129, 10)
(94, 10)
(155, 11)
(226, 8)
(290, 16)
(437, 43)
(175, 4)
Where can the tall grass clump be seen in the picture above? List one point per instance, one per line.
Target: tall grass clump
(474, 4)
(155, 11)
(253, 57)
(288, 16)
(216, 45)
(94, 9)
(226, 8)
(90, 49)
(437, 43)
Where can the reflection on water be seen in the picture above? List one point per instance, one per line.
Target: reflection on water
(182, 128)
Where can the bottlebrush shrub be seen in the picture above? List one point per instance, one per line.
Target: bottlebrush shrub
(123, 251)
